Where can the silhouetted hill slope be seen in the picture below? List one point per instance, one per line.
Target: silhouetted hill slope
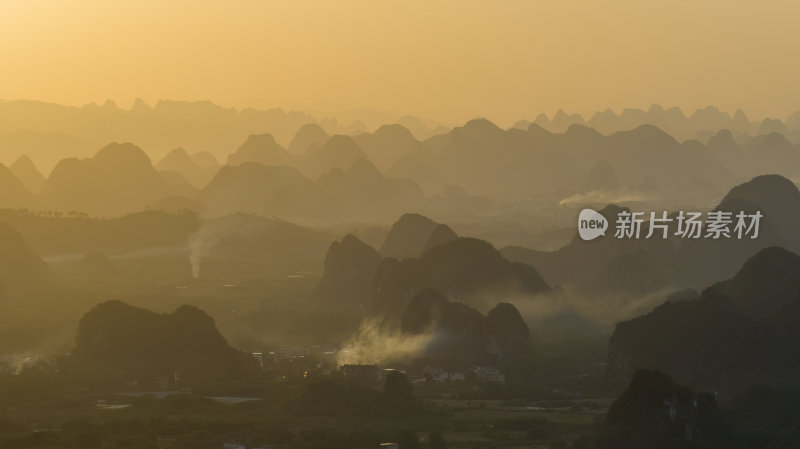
(601, 177)
(338, 152)
(308, 135)
(97, 265)
(410, 166)
(350, 267)
(408, 236)
(20, 267)
(776, 197)
(142, 344)
(243, 247)
(656, 412)
(271, 191)
(464, 270)
(737, 333)
(766, 283)
(423, 311)
(118, 179)
(608, 261)
(705, 260)
(60, 131)
(24, 169)
(766, 416)
(178, 160)
(462, 332)
(367, 194)
(583, 261)
(508, 333)
(13, 193)
(74, 234)
(260, 148)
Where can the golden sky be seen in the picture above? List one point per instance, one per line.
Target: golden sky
(447, 60)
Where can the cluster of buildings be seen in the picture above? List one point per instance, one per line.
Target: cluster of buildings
(477, 373)
(372, 375)
(304, 361)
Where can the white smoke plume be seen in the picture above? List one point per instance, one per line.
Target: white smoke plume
(606, 197)
(373, 344)
(212, 232)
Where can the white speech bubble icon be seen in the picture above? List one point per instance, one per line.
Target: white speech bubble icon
(591, 224)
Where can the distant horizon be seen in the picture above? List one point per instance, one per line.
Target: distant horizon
(446, 60)
(336, 114)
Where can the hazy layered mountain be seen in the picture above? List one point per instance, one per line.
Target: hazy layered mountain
(605, 261)
(465, 270)
(441, 234)
(309, 135)
(389, 143)
(205, 160)
(634, 274)
(422, 129)
(118, 179)
(516, 163)
(657, 412)
(349, 275)
(24, 169)
(410, 166)
(49, 132)
(13, 193)
(97, 266)
(47, 147)
(479, 155)
(270, 191)
(765, 416)
(338, 152)
(672, 120)
(141, 344)
(260, 148)
(456, 203)
(769, 153)
(20, 266)
(196, 173)
(368, 194)
(738, 332)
